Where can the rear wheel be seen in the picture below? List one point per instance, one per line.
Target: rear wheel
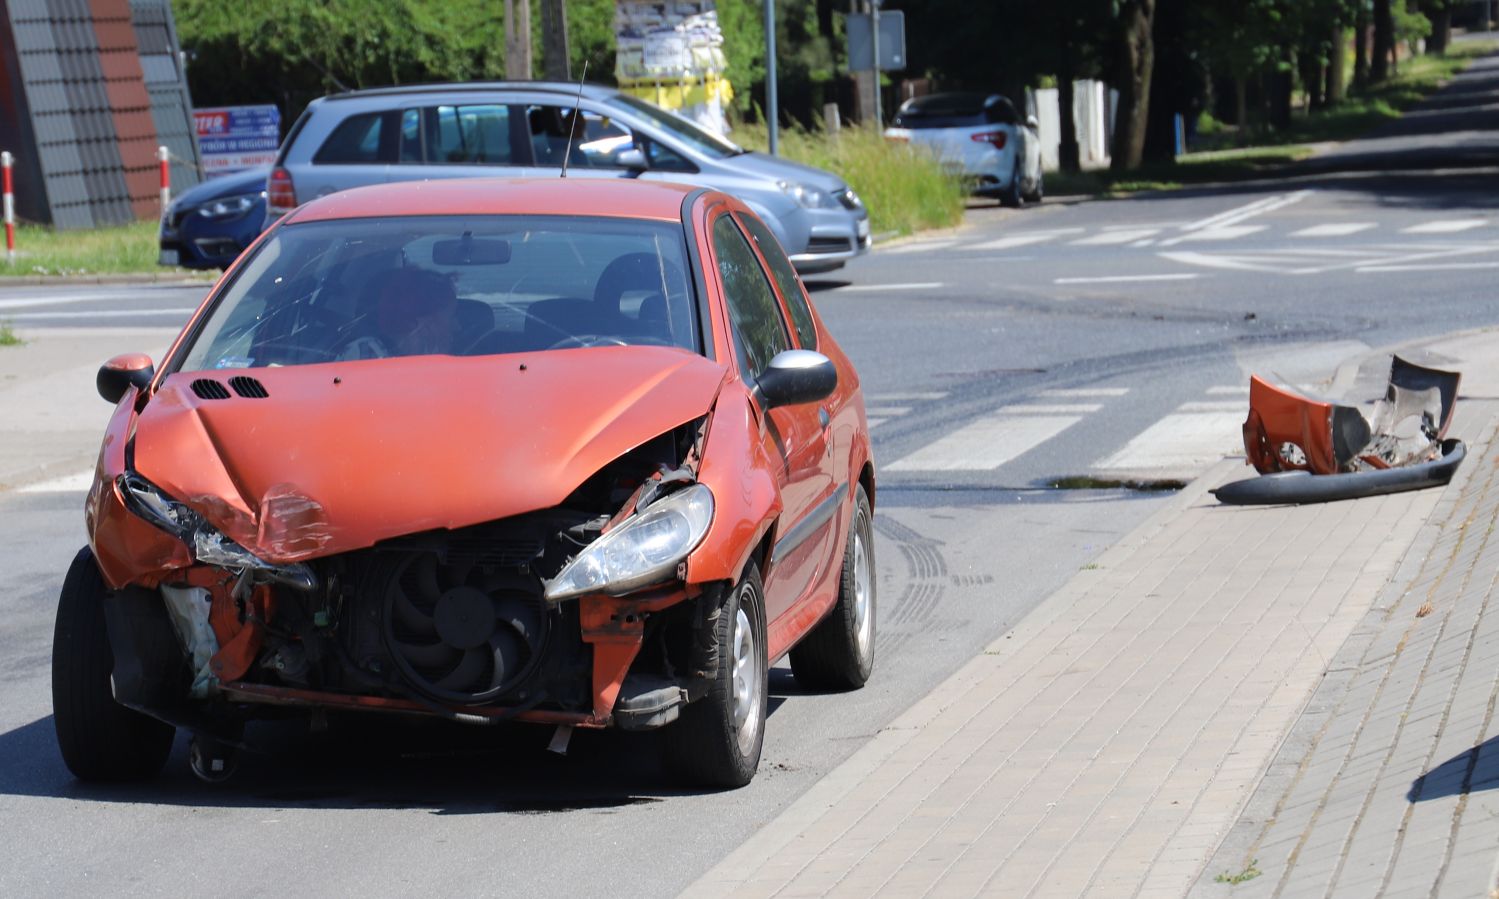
(717, 740)
(1012, 195)
(839, 653)
(99, 738)
(1038, 193)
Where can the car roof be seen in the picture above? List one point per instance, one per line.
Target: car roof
(611, 198)
(591, 91)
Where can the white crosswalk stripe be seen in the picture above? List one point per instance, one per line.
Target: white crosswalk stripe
(73, 483)
(1334, 229)
(1196, 434)
(1108, 238)
(1445, 226)
(1063, 393)
(988, 443)
(1220, 232)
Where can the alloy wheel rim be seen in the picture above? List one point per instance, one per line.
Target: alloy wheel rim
(746, 682)
(863, 619)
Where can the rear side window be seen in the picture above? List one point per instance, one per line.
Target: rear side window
(785, 275)
(469, 134)
(355, 140)
(754, 314)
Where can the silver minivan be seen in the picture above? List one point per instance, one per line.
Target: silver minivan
(520, 129)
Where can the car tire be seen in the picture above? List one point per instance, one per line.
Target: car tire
(717, 740)
(100, 739)
(1039, 192)
(839, 653)
(1013, 195)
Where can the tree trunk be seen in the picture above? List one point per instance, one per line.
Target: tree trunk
(1361, 48)
(1441, 32)
(1138, 61)
(518, 40)
(1384, 41)
(1241, 103)
(1069, 155)
(1282, 84)
(1337, 72)
(554, 60)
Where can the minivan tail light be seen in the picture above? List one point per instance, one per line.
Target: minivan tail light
(280, 193)
(997, 138)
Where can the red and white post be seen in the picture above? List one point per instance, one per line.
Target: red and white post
(9, 206)
(164, 156)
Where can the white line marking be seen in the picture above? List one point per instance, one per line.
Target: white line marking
(1018, 240)
(59, 300)
(1054, 408)
(1109, 238)
(1247, 211)
(1228, 390)
(1212, 406)
(906, 397)
(1223, 232)
(1433, 267)
(1142, 243)
(99, 313)
(1062, 393)
(1445, 226)
(1333, 229)
(872, 422)
(922, 285)
(986, 444)
(1180, 441)
(73, 483)
(1158, 226)
(886, 411)
(920, 246)
(1109, 279)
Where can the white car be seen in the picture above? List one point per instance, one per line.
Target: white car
(979, 135)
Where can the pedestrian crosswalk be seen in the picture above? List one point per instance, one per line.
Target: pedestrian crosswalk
(1216, 230)
(1193, 435)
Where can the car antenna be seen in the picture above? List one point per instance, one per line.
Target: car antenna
(573, 126)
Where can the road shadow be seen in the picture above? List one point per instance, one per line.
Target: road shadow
(364, 762)
(815, 285)
(1472, 771)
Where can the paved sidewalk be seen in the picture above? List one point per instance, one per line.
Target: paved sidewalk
(1107, 746)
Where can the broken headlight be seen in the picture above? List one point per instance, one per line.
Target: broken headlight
(642, 551)
(206, 543)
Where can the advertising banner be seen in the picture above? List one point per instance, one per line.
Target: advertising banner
(234, 138)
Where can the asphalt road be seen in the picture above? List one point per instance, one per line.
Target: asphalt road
(1110, 340)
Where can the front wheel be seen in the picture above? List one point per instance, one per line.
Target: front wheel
(99, 738)
(717, 740)
(839, 653)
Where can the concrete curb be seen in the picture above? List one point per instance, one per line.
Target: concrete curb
(12, 281)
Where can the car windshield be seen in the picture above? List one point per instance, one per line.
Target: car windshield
(688, 132)
(371, 288)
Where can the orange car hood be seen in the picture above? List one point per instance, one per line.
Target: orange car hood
(341, 455)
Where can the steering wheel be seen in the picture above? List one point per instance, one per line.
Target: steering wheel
(584, 340)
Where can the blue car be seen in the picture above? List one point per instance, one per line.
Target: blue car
(209, 225)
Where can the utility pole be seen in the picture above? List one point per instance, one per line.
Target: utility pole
(554, 60)
(518, 40)
(772, 104)
(874, 47)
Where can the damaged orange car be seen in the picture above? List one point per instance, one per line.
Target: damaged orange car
(576, 453)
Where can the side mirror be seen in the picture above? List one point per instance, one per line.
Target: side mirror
(631, 158)
(795, 377)
(1032, 123)
(123, 372)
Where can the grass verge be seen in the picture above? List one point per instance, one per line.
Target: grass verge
(1232, 154)
(8, 337)
(905, 190)
(113, 250)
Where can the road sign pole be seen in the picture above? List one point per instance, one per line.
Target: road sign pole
(9, 206)
(772, 102)
(163, 157)
(874, 44)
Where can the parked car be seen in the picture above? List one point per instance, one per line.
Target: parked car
(982, 137)
(579, 453)
(211, 223)
(520, 129)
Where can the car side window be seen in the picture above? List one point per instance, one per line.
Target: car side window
(458, 135)
(549, 126)
(754, 315)
(411, 136)
(786, 279)
(355, 140)
(664, 159)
